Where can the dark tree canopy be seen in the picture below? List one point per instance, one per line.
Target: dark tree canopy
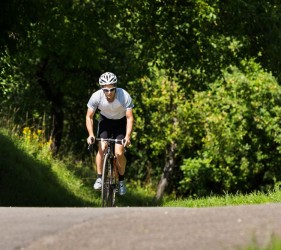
(165, 53)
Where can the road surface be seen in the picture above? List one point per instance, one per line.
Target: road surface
(133, 228)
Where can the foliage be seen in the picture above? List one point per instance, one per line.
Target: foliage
(60, 54)
(157, 100)
(31, 177)
(187, 38)
(241, 144)
(256, 24)
(52, 53)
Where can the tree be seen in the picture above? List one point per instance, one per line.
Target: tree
(157, 133)
(167, 51)
(257, 25)
(239, 119)
(60, 54)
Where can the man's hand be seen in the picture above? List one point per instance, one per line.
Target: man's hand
(91, 140)
(127, 141)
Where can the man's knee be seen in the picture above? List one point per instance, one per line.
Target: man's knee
(102, 148)
(119, 152)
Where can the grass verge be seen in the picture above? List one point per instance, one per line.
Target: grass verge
(227, 199)
(30, 176)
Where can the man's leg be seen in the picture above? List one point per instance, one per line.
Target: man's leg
(120, 158)
(101, 133)
(99, 163)
(121, 165)
(99, 157)
(119, 133)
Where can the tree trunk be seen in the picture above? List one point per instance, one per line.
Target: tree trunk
(167, 172)
(57, 128)
(55, 96)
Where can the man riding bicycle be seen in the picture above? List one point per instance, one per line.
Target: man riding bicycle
(116, 119)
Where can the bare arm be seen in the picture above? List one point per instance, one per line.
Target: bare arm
(90, 124)
(129, 129)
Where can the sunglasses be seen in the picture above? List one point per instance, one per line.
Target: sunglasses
(106, 90)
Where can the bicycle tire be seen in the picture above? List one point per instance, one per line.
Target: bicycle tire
(105, 181)
(108, 183)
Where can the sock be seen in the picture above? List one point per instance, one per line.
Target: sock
(99, 175)
(121, 177)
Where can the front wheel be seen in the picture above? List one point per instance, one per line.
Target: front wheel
(107, 190)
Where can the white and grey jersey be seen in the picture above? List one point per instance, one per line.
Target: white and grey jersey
(111, 110)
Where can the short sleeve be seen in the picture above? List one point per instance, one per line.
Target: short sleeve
(94, 100)
(125, 99)
(129, 102)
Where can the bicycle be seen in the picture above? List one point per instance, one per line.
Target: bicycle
(109, 173)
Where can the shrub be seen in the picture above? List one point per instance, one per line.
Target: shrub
(238, 119)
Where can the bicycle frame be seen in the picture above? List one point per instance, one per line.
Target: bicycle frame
(109, 174)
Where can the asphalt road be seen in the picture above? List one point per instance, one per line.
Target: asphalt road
(132, 228)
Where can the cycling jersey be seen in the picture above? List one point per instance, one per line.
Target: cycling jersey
(111, 110)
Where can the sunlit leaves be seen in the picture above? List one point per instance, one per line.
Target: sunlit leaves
(240, 120)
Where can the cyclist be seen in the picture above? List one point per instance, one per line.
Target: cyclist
(116, 118)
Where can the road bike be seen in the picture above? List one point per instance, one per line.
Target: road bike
(109, 173)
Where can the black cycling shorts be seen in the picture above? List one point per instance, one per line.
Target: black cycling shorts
(109, 128)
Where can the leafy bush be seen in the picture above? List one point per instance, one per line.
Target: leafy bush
(238, 121)
(156, 99)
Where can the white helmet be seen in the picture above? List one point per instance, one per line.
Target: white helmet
(107, 78)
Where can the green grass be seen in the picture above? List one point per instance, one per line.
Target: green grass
(227, 199)
(30, 176)
(274, 244)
